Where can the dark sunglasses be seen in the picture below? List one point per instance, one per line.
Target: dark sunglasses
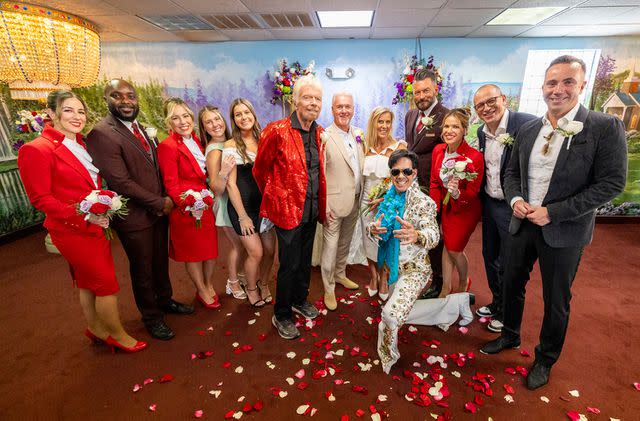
(406, 171)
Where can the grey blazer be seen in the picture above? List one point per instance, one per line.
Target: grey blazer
(589, 174)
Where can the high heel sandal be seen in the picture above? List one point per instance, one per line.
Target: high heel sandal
(139, 346)
(240, 295)
(93, 338)
(264, 287)
(372, 292)
(215, 304)
(258, 303)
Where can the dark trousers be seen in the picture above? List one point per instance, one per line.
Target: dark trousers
(496, 215)
(148, 253)
(558, 267)
(295, 247)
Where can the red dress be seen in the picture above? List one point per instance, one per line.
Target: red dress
(56, 181)
(181, 172)
(280, 170)
(460, 216)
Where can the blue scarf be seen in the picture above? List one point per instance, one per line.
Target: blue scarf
(389, 246)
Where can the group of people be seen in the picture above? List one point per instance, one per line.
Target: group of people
(534, 182)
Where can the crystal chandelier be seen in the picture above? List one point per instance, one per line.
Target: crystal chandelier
(42, 50)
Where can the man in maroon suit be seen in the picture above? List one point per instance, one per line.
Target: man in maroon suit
(422, 130)
(125, 153)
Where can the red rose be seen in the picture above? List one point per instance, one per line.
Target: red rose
(33, 113)
(286, 82)
(99, 208)
(410, 78)
(109, 193)
(189, 200)
(208, 201)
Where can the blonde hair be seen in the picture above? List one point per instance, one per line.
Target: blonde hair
(205, 137)
(372, 129)
(301, 82)
(170, 105)
(236, 135)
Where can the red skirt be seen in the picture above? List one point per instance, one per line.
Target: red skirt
(90, 261)
(188, 243)
(458, 227)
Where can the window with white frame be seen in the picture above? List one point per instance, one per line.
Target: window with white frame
(531, 100)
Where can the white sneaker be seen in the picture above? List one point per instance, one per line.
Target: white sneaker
(485, 311)
(495, 326)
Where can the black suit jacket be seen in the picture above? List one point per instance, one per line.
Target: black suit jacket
(423, 143)
(129, 171)
(588, 174)
(514, 123)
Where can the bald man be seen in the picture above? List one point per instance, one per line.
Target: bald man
(125, 154)
(499, 126)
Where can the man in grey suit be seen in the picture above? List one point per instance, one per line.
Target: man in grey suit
(563, 166)
(495, 140)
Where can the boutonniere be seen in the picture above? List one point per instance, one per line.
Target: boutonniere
(359, 136)
(427, 122)
(569, 129)
(152, 132)
(324, 137)
(506, 139)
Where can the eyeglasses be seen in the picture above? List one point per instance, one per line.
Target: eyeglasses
(406, 171)
(488, 103)
(547, 138)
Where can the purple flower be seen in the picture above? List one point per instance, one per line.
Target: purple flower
(199, 205)
(450, 163)
(104, 199)
(85, 205)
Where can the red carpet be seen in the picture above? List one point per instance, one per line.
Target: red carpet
(49, 371)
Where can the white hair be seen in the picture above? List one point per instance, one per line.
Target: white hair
(342, 93)
(301, 82)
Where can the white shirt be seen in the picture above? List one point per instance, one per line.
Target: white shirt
(351, 147)
(129, 125)
(493, 151)
(83, 156)
(541, 166)
(195, 150)
(427, 112)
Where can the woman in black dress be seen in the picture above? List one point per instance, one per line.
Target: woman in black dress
(244, 201)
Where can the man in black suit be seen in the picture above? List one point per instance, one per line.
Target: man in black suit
(125, 154)
(495, 140)
(422, 130)
(563, 166)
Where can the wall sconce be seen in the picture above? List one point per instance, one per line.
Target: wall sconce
(340, 73)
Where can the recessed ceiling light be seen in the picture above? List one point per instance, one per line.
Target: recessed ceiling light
(525, 15)
(346, 18)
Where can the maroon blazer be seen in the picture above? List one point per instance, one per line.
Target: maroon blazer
(128, 170)
(423, 143)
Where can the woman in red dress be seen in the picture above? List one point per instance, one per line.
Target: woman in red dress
(58, 173)
(182, 164)
(461, 214)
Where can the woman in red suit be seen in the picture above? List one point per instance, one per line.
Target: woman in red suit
(461, 214)
(182, 164)
(58, 173)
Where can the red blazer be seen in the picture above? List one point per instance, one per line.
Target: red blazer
(56, 182)
(280, 170)
(469, 190)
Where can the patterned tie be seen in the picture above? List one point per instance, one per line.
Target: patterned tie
(140, 137)
(420, 125)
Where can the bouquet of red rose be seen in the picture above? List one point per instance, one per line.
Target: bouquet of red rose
(103, 203)
(460, 167)
(197, 202)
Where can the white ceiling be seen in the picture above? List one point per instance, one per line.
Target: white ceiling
(119, 20)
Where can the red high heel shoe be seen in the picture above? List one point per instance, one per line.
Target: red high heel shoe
(468, 285)
(93, 338)
(139, 346)
(215, 304)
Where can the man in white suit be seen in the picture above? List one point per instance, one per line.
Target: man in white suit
(344, 158)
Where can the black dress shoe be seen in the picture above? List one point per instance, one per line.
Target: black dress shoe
(175, 307)
(431, 292)
(498, 345)
(472, 299)
(538, 376)
(160, 330)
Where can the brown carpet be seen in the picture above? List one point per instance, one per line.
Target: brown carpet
(49, 371)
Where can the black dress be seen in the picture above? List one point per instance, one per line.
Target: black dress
(249, 191)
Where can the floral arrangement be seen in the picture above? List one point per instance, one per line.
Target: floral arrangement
(404, 87)
(376, 193)
(103, 203)
(31, 121)
(506, 139)
(460, 167)
(359, 136)
(197, 202)
(285, 77)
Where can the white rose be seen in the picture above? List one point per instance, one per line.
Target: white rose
(276, 74)
(292, 70)
(116, 203)
(152, 132)
(324, 137)
(197, 195)
(93, 196)
(460, 166)
(406, 70)
(426, 121)
(574, 127)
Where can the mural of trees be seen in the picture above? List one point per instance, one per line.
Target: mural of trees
(603, 85)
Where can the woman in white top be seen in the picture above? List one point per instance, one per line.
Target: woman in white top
(244, 201)
(213, 134)
(380, 145)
